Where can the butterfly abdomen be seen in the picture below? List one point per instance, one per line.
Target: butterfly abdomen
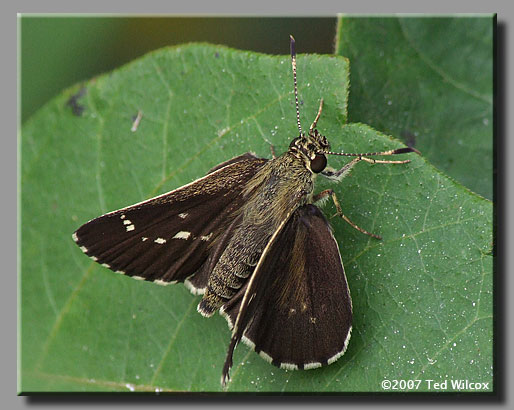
(233, 268)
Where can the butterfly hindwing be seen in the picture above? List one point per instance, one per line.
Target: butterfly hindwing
(169, 237)
(296, 310)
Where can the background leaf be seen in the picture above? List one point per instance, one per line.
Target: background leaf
(422, 297)
(59, 51)
(429, 82)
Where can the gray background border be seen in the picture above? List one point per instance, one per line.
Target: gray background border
(8, 161)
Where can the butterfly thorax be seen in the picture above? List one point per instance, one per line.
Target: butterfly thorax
(272, 195)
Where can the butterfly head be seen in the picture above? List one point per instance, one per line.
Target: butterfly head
(312, 147)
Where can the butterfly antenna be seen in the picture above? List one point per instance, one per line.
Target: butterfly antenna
(367, 154)
(293, 63)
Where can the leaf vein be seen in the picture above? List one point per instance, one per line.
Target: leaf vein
(172, 341)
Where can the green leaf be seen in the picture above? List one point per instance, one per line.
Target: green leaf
(428, 81)
(422, 297)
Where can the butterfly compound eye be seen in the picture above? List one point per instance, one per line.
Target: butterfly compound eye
(319, 163)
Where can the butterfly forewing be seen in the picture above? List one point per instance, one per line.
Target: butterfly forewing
(169, 237)
(296, 310)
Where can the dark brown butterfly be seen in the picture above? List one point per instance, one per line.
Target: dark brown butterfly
(248, 237)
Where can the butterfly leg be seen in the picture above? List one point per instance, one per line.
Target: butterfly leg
(272, 149)
(329, 192)
(337, 175)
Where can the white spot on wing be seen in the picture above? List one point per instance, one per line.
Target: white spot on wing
(227, 318)
(94, 258)
(193, 289)
(163, 282)
(183, 215)
(160, 241)
(138, 277)
(75, 237)
(83, 249)
(312, 365)
(120, 272)
(182, 235)
(106, 265)
(122, 216)
(130, 228)
(206, 238)
(127, 222)
(288, 366)
(265, 356)
(248, 342)
(144, 238)
(338, 355)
